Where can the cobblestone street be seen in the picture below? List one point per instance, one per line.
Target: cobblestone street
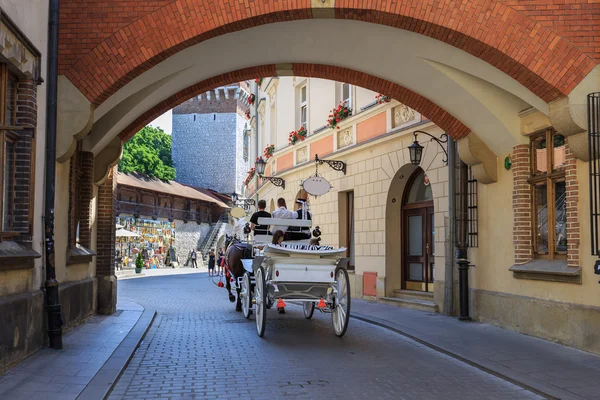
(199, 347)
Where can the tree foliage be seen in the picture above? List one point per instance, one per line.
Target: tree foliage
(149, 153)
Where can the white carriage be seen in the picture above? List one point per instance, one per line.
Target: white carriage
(315, 276)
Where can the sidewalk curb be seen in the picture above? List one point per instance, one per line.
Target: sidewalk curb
(103, 382)
(516, 378)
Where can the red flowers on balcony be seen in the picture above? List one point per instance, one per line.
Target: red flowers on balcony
(298, 135)
(251, 174)
(381, 98)
(247, 114)
(251, 99)
(269, 150)
(339, 114)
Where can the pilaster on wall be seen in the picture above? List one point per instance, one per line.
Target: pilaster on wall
(573, 227)
(522, 233)
(86, 166)
(107, 197)
(105, 261)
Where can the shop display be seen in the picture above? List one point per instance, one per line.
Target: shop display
(155, 240)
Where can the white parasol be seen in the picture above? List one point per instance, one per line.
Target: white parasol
(125, 233)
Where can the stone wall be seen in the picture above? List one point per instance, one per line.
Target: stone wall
(204, 150)
(189, 236)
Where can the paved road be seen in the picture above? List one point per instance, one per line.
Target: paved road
(200, 348)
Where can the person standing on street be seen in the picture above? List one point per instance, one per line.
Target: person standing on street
(193, 257)
(211, 262)
(221, 262)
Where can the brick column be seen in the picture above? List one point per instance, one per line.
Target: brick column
(105, 260)
(86, 166)
(522, 230)
(573, 228)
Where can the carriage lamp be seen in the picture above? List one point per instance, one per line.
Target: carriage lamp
(316, 232)
(260, 165)
(416, 150)
(247, 229)
(234, 197)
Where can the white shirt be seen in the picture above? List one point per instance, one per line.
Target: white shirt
(282, 213)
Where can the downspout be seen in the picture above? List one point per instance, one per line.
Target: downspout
(52, 294)
(449, 273)
(256, 101)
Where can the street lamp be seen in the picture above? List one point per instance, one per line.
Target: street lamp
(416, 150)
(260, 165)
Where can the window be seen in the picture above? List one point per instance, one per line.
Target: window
(246, 143)
(347, 94)
(8, 146)
(303, 107)
(548, 188)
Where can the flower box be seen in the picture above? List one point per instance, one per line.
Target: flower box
(338, 114)
(269, 151)
(296, 136)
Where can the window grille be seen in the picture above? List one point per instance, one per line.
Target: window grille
(594, 153)
(472, 212)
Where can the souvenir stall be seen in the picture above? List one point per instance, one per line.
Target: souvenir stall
(154, 239)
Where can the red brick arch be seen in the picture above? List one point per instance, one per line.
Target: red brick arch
(439, 116)
(544, 62)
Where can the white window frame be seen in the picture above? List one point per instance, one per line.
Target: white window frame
(349, 98)
(303, 106)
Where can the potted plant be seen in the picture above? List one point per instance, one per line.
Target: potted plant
(247, 114)
(338, 114)
(259, 81)
(251, 99)
(381, 98)
(298, 135)
(139, 264)
(269, 150)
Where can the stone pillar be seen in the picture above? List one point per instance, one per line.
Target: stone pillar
(105, 260)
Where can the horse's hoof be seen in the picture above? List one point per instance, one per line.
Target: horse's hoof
(238, 308)
(232, 299)
(281, 310)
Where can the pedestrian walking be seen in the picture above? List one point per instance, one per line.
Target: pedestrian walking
(193, 257)
(221, 262)
(211, 262)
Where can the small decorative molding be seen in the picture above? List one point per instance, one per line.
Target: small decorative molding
(17, 52)
(302, 155)
(345, 139)
(401, 115)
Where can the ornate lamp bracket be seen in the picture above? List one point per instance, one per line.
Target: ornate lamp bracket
(275, 181)
(440, 141)
(336, 165)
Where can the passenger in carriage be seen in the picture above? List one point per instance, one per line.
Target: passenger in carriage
(278, 237)
(300, 232)
(261, 213)
(282, 213)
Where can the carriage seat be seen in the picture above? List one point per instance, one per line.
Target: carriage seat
(302, 246)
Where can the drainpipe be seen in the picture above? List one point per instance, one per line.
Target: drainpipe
(256, 101)
(52, 294)
(462, 245)
(449, 276)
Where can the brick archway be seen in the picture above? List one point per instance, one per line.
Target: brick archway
(116, 51)
(439, 116)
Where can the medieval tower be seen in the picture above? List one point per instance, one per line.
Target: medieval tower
(211, 139)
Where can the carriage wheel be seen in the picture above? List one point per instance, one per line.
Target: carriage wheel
(340, 314)
(246, 295)
(309, 309)
(260, 294)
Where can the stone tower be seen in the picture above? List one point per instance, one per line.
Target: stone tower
(210, 143)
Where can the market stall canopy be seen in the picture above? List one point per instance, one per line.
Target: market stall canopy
(125, 233)
(119, 226)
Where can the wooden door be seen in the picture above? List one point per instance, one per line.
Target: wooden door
(419, 260)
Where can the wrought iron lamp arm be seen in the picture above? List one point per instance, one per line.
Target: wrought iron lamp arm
(275, 181)
(442, 139)
(336, 165)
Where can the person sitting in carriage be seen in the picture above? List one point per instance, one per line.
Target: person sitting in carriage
(299, 232)
(261, 213)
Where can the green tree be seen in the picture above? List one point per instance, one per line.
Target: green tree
(149, 153)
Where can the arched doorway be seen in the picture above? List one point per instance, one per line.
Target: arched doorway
(418, 261)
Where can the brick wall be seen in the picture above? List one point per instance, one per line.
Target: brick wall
(101, 34)
(107, 197)
(522, 229)
(86, 167)
(25, 159)
(578, 20)
(573, 228)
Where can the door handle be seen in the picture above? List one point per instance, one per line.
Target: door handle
(427, 248)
